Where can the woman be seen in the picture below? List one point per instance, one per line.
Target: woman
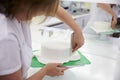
(15, 40)
(100, 12)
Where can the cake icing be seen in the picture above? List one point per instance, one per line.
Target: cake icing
(102, 25)
(56, 51)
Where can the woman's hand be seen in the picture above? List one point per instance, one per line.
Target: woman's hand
(114, 21)
(54, 69)
(77, 41)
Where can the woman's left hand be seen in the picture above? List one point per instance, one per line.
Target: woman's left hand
(77, 41)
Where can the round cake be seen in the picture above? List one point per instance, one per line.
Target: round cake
(102, 25)
(56, 51)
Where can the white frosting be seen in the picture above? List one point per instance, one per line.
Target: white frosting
(102, 25)
(56, 51)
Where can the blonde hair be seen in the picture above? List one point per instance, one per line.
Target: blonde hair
(11, 7)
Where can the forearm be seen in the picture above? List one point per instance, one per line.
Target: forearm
(66, 17)
(107, 8)
(38, 76)
(78, 39)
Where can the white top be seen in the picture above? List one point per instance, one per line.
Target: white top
(15, 46)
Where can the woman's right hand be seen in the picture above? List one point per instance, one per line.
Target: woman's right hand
(114, 21)
(54, 69)
(77, 41)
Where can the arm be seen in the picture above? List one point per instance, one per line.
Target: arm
(14, 76)
(39, 75)
(78, 40)
(52, 69)
(108, 9)
(49, 69)
(17, 76)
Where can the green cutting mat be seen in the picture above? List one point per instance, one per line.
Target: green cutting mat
(111, 32)
(83, 61)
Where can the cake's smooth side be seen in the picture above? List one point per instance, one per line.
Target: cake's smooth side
(102, 25)
(55, 51)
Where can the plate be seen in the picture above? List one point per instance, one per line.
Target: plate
(110, 31)
(74, 57)
(81, 62)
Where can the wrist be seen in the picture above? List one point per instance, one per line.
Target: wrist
(78, 32)
(44, 70)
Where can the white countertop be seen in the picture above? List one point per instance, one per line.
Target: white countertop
(100, 52)
(100, 69)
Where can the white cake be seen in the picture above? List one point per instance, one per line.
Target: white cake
(55, 51)
(100, 26)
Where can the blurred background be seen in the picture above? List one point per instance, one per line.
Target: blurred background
(102, 42)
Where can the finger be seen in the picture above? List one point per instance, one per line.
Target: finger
(73, 45)
(58, 64)
(57, 69)
(79, 45)
(115, 21)
(63, 69)
(61, 73)
(51, 75)
(76, 48)
(113, 26)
